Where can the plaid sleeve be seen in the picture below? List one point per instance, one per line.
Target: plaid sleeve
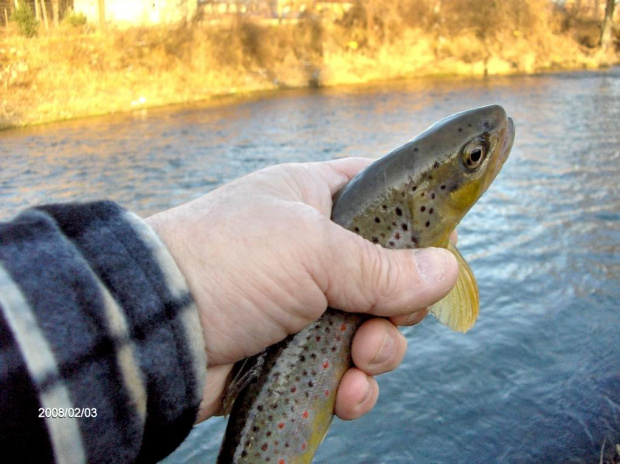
(96, 323)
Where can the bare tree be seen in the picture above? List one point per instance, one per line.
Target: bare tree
(55, 12)
(607, 24)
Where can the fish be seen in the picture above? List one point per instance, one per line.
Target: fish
(282, 400)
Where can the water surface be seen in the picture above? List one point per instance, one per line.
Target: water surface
(538, 378)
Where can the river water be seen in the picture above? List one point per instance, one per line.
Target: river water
(538, 378)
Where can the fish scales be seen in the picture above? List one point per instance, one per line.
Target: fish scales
(288, 408)
(413, 197)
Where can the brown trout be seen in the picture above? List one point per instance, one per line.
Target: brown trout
(413, 197)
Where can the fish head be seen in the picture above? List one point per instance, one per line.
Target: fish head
(416, 195)
(461, 155)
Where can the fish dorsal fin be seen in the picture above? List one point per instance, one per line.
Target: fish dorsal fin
(459, 308)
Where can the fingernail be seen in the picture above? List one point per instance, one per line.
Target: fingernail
(385, 351)
(416, 317)
(367, 394)
(432, 263)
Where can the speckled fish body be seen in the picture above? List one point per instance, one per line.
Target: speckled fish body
(413, 197)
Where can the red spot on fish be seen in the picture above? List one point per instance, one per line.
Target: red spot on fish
(303, 446)
(318, 338)
(325, 365)
(281, 425)
(264, 447)
(305, 414)
(293, 389)
(326, 392)
(343, 327)
(281, 461)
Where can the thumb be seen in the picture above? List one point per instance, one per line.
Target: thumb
(359, 276)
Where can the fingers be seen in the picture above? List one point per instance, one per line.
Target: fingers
(378, 347)
(410, 319)
(454, 236)
(357, 394)
(213, 392)
(357, 276)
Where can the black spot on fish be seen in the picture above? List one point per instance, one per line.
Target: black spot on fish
(427, 223)
(377, 220)
(414, 188)
(286, 445)
(255, 429)
(460, 129)
(423, 208)
(382, 235)
(264, 447)
(436, 164)
(384, 206)
(416, 149)
(302, 358)
(404, 226)
(443, 187)
(260, 407)
(453, 187)
(423, 194)
(357, 229)
(375, 240)
(397, 236)
(297, 378)
(468, 125)
(433, 196)
(268, 434)
(304, 373)
(414, 240)
(274, 406)
(244, 453)
(486, 125)
(399, 211)
(391, 243)
(313, 355)
(430, 177)
(430, 211)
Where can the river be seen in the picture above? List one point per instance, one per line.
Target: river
(538, 378)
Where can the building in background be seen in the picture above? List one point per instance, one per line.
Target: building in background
(137, 12)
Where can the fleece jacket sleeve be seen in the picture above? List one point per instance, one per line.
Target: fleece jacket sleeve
(96, 325)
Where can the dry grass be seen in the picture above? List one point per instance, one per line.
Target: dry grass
(71, 73)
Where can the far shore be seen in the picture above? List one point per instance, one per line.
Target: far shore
(69, 73)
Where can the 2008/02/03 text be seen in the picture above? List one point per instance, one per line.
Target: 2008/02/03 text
(62, 413)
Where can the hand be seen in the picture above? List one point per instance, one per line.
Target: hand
(263, 260)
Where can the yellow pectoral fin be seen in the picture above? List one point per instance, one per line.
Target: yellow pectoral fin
(459, 308)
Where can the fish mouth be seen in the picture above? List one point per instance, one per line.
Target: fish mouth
(509, 138)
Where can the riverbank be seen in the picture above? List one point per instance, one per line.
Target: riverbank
(71, 73)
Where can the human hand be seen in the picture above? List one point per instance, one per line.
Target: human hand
(263, 260)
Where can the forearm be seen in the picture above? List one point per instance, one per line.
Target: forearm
(94, 314)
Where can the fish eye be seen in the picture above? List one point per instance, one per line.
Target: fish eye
(474, 154)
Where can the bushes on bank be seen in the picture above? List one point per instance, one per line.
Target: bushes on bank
(25, 19)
